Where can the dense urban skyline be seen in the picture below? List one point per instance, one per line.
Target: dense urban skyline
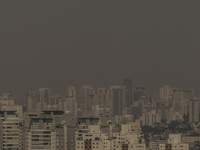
(22, 97)
(55, 44)
(120, 117)
(99, 75)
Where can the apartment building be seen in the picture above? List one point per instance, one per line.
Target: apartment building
(10, 131)
(174, 143)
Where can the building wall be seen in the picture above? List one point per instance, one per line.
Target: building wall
(194, 106)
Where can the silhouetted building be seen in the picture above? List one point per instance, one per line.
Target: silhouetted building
(116, 99)
(86, 96)
(138, 92)
(31, 100)
(194, 110)
(127, 96)
(44, 99)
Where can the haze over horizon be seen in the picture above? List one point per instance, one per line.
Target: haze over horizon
(98, 43)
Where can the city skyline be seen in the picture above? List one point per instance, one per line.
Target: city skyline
(99, 75)
(62, 93)
(98, 43)
(120, 117)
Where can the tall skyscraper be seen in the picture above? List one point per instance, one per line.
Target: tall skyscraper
(70, 102)
(116, 100)
(165, 95)
(86, 96)
(56, 103)
(46, 131)
(11, 129)
(194, 106)
(44, 95)
(100, 97)
(31, 99)
(70, 92)
(177, 99)
(44, 98)
(127, 96)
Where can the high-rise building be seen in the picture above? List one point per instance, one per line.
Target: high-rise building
(165, 92)
(100, 97)
(55, 100)
(127, 96)
(44, 99)
(108, 98)
(70, 92)
(85, 99)
(70, 101)
(11, 130)
(116, 100)
(44, 95)
(31, 99)
(194, 110)
(46, 131)
(55, 103)
(165, 95)
(178, 99)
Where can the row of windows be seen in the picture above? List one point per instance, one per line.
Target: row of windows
(87, 147)
(128, 146)
(88, 143)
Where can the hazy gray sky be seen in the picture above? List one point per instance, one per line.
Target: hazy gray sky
(46, 43)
